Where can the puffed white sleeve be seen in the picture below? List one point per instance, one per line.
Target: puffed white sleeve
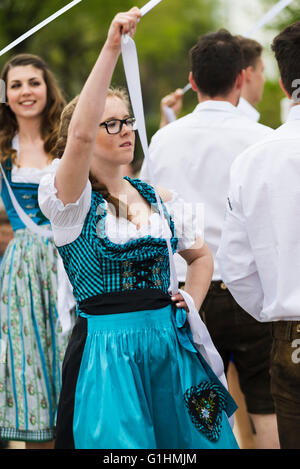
(188, 221)
(66, 220)
(235, 257)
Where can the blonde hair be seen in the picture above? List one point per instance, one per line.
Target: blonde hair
(51, 113)
(121, 209)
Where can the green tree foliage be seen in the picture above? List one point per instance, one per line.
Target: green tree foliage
(270, 106)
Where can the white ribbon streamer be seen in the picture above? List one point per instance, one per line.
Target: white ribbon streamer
(170, 114)
(186, 88)
(202, 339)
(39, 26)
(132, 72)
(146, 8)
(28, 222)
(23, 215)
(267, 18)
(201, 336)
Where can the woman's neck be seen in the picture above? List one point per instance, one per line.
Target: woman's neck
(29, 130)
(113, 179)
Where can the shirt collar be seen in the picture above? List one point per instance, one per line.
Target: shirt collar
(247, 109)
(294, 113)
(216, 106)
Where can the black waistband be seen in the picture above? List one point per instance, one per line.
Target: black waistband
(125, 302)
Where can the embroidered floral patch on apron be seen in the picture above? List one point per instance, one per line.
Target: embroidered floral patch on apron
(205, 404)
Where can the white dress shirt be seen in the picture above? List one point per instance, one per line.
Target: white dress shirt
(259, 255)
(193, 155)
(248, 110)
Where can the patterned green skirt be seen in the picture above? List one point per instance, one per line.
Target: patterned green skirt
(32, 344)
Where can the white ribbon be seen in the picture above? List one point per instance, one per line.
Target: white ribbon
(146, 8)
(202, 339)
(170, 114)
(201, 336)
(186, 88)
(131, 66)
(28, 222)
(38, 27)
(267, 18)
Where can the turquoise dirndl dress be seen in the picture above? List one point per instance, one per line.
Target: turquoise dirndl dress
(132, 378)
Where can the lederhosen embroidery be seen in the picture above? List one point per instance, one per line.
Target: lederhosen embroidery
(205, 404)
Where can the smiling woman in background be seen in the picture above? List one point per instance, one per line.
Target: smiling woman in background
(32, 348)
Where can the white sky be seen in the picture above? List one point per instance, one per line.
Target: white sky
(240, 16)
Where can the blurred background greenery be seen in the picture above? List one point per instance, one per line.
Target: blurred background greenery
(72, 42)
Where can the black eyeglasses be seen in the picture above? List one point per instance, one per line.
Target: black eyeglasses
(114, 126)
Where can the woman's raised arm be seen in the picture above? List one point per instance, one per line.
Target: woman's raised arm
(73, 171)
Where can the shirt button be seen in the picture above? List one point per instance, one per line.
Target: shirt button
(223, 286)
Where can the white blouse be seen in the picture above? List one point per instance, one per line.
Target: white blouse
(28, 175)
(67, 220)
(25, 175)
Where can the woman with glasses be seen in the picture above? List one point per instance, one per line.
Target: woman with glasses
(131, 378)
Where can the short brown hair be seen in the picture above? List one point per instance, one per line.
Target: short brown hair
(252, 51)
(286, 47)
(216, 61)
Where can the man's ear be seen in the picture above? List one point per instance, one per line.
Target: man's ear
(283, 89)
(248, 73)
(192, 82)
(240, 80)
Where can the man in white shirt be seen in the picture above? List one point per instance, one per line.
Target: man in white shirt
(254, 80)
(259, 255)
(252, 90)
(193, 156)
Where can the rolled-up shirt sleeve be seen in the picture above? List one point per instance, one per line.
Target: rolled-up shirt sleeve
(66, 220)
(236, 260)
